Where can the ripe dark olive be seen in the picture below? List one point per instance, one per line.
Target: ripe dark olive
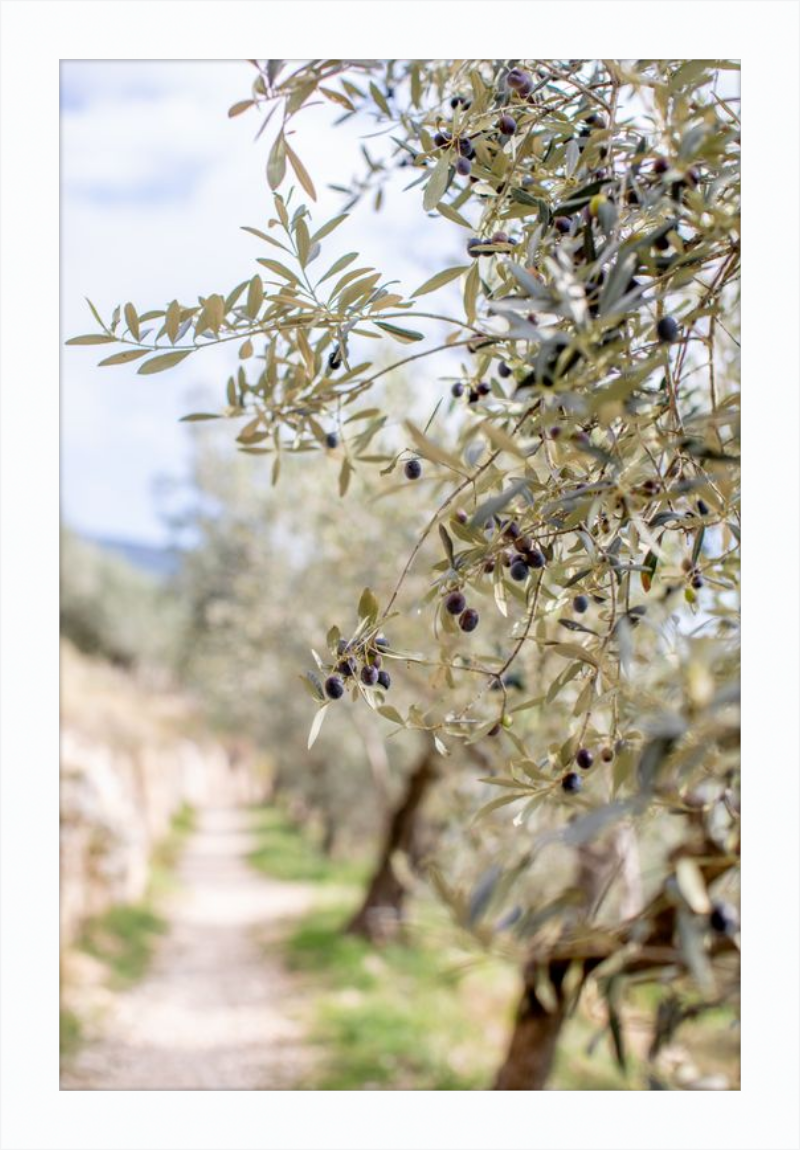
(697, 582)
(413, 469)
(536, 559)
(469, 619)
(523, 544)
(466, 147)
(472, 244)
(374, 659)
(455, 603)
(347, 668)
(331, 440)
(382, 643)
(459, 99)
(463, 166)
(667, 329)
(442, 139)
(473, 395)
(723, 918)
(462, 517)
(335, 359)
(494, 731)
(660, 165)
(503, 370)
(607, 754)
(702, 508)
(580, 604)
(334, 687)
(457, 390)
(584, 758)
(489, 566)
(520, 81)
(571, 783)
(369, 676)
(511, 530)
(595, 120)
(661, 244)
(384, 680)
(501, 238)
(507, 124)
(519, 570)
(562, 224)
(484, 388)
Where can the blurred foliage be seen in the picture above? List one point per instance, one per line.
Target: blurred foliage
(422, 1013)
(579, 490)
(258, 585)
(111, 609)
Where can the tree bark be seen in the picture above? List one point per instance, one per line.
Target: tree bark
(536, 1031)
(381, 911)
(538, 1024)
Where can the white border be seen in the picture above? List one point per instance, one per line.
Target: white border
(36, 34)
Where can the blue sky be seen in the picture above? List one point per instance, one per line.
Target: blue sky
(155, 183)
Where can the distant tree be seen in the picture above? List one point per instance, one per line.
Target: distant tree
(580, 477)
(113, 610)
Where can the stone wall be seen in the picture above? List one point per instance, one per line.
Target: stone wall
(129, 762)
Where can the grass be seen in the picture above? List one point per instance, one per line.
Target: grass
(69, 1032)
(401, 1017)
(124, 937)
(285, 852)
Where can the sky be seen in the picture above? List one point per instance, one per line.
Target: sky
(156, 182)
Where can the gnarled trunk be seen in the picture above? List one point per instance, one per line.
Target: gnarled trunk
(536, 1031)
(538, 1023)
(381, 911)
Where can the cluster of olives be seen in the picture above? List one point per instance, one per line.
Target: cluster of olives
(368, 669)
(480, 390)
(519, 83)
(486, 247)
(456, 604)
(523, 554)
(572, 782)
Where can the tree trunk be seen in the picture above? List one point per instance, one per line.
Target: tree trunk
(381, 911)
(538, 1023)
(536, 1031)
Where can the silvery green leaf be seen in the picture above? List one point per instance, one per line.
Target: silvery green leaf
(526, 280)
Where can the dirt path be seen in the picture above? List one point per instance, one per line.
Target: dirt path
(216, 1010)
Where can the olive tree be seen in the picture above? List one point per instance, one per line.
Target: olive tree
(580, 475)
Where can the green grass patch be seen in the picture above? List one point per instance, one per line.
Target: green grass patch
(285, 852)
(167, 852)
(395, 1018)
(123, 939)
(69, 1032)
